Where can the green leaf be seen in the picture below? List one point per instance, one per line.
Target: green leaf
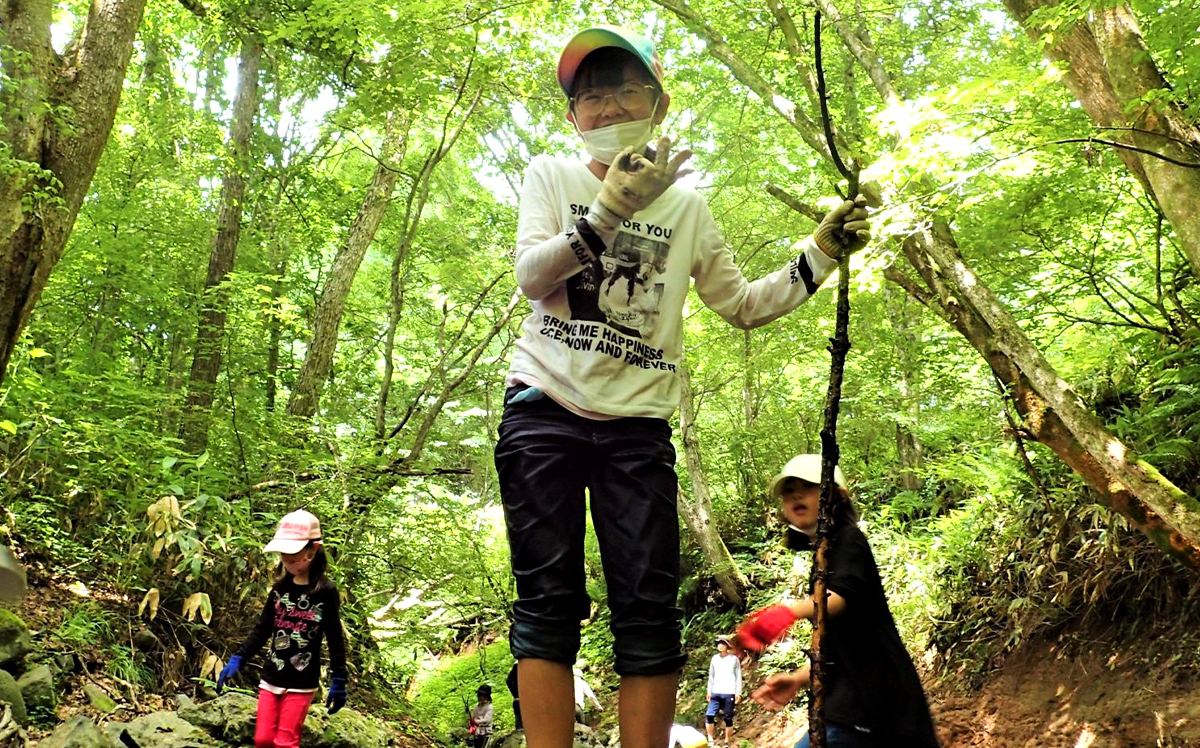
(202, 459)
(205, 608)
(9, 426)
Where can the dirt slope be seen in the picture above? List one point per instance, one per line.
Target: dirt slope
(1040, 699)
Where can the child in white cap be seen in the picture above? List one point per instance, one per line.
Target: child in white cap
(724, 691)
(607, 250)
(302, 608)
(873, 696)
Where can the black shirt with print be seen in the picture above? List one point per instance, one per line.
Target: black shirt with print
(292, 624)
(871, 682)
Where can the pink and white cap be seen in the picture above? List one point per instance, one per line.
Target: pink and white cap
(294, 532)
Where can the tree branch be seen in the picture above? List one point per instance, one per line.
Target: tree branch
(267, 485)
(452, 385)
(808, 129)
(860, 47)
(795, 46)
(196, 7)
(897, 276)
(796, 203)
(1115, 144)
(442, 364)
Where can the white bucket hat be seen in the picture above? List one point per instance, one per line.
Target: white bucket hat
(806, 468)
(295, 531)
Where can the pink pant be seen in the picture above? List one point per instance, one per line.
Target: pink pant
(280, 717)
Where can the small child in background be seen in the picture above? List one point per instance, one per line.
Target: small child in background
(302, 608)
(481, 717)
(724, 690)
(873, 695)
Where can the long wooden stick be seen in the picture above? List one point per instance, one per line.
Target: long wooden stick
(839, 345)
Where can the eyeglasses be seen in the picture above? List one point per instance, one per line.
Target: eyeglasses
(630, 96)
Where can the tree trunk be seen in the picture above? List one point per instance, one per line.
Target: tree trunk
(747, 472)
(907, 344)
(450, 386)
(417, 198)
(909, 452)
(210, 334)
(697, 513)
(279, 246)
(1105, 453)
(306, 394)
(396, 308)
(57, 112)
(942, 292)
(1108, 68)
(389, 366)
(275, 329)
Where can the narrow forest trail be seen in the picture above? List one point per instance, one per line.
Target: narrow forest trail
(1041, 700)
(50, 606)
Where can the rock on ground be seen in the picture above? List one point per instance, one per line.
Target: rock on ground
(77, 732)
(10, 693)
(229, 717)
(37, 688)
(15, 641)
(161, 730)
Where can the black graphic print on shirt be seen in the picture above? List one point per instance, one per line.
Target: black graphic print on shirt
(293, 622)
(297, 626)
(620, 288)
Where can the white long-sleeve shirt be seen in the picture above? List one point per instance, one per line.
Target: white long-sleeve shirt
(605, 335)
(725, 675)
(482, 714)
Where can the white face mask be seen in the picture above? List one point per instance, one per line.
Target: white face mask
(606, 143)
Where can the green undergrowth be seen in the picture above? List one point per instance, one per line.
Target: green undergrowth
(443, 694)
(1019, 565)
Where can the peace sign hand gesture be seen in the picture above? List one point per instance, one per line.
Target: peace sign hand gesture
(634, 182)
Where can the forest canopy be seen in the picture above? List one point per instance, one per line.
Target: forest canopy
(257, 256)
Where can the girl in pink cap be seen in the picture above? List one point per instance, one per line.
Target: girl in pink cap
(302, 608)
(607, 250)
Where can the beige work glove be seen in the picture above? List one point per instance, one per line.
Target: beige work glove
(634, 181)
(844, 229)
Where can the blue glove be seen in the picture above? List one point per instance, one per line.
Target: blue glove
(336, 698)
(227, 672)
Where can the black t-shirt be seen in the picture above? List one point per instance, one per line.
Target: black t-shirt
(292, 624)
(870, 679)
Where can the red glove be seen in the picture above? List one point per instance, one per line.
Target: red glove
(471, 730)
(765, 627)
